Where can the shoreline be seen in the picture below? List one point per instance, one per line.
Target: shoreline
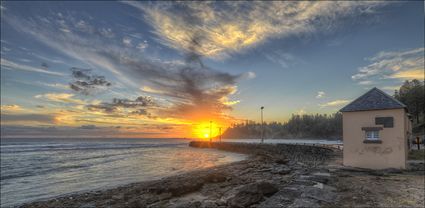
(273, 175)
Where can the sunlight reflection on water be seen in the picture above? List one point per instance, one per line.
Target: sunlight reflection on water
(38, 169)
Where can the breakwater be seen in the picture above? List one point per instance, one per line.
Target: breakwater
(309, 154)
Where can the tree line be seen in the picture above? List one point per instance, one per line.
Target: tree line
(298, 126)
(411, 93)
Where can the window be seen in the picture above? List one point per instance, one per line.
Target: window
(372, 135)
(387, 122)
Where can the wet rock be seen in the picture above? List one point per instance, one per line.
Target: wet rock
(252, 194)
(176, 187)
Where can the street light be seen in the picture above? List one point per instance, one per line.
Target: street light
(262, 125)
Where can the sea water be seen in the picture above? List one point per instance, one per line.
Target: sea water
(36, 169)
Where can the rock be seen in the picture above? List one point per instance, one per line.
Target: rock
(304, 202)
(319, 185)
(303, 182)
(215, 178)
(281, 160)
(416, 165)
(195, 204)
(292, 192)
(316, 178)
(325, 194)
(252, 194)
(281, 170)
(393, 170)
(88, 205)
(176, 187)
(208, 204)
(325, 174)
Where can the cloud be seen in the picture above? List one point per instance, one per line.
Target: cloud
(55, 85)
(282, 58)
(12, 65)
(320, 94)
(60, 97)
(90, 127)
(411, 74)
(401, 65)
(40, 118)
(188, 89)
(366, 82)
(84, 131)
(10, 108)
(141, 102)
(87, 83)
(143, 45)
(391, 88)
(127, 42)
(228, 27)
(334, 103)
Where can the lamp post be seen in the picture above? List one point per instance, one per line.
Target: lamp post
(262, 125)
(210, 131)
(219, 133)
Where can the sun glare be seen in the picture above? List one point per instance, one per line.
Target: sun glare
(203, 130)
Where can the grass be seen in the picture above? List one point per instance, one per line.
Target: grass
(417, 154)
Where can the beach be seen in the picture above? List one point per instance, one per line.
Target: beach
(274, 175)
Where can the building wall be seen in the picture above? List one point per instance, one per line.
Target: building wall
(391, 153)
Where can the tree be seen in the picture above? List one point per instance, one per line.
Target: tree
(411, 93)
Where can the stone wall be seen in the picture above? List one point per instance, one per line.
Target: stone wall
(308, 154)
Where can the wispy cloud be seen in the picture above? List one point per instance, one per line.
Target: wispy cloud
(13, 65)
(10, 108)
(320, 94)
(60, 97)
(226, 29)
(334, 103)
(280, 57)
(191, 89)
(408, 64)
(27, 118)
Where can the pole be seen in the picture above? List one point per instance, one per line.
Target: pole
(417, 142)
(262, 125)
(219, 131)
(210, 131)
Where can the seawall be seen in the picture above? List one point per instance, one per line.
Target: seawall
(308, 154)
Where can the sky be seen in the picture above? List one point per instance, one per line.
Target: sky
(162, 69)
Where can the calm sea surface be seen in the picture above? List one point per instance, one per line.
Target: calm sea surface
(34, 169)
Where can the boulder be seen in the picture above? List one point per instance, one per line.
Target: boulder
(252, 194)
(215, 178)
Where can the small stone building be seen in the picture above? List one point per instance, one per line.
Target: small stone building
(376, 128)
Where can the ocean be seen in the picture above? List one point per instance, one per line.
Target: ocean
(36, 169)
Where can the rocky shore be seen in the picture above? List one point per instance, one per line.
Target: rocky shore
(274, 175)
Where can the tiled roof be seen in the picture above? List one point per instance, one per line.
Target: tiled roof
(374, 99)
